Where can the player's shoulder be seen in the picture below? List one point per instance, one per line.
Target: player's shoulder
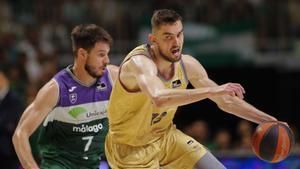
(138, 64)
(49, 90)
(140, 61)
(50, 86)
(142, 49)
(189, 60)
(192, 65)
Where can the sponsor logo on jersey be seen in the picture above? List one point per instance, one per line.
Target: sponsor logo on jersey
(72, 88)
(75, 112)
(95, 113)
(73, 97)
(193, 146)
(101, 86)
(84, 128)
(156, 117)
(176, 83)
(190, 142)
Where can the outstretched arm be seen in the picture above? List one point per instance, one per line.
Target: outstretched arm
(231, 104)
(30, 120)
(144, 72)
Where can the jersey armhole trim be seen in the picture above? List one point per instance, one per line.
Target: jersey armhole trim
(184, 71)
(58, 91)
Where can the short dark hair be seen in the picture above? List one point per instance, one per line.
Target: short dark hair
(164, 16)
(87, 35)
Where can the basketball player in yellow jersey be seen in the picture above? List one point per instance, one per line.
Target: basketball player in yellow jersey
(151, 85)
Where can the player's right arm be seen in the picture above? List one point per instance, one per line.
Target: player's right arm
(145, 72)
(32, 117)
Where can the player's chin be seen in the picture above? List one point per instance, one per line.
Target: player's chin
(101, 70)
(176, 57)
(99, 73)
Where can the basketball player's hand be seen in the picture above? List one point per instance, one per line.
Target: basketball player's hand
(281, 122)
(232, 89)
(284, 123)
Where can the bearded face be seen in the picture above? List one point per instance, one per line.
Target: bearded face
(97, 60)
(169, 41)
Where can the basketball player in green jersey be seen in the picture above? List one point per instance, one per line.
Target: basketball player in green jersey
(71, 107)
(151, 85)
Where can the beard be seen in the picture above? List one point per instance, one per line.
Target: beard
(91, 71)
(168, 58)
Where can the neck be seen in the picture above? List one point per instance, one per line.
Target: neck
(165, 68)
(82, 75)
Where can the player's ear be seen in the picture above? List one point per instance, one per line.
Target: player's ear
(82, 53)
(151, 38)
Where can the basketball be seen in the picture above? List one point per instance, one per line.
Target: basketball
(272, 141)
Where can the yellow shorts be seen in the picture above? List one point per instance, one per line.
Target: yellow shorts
(175, 150)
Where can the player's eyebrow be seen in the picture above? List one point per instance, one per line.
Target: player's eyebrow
(101, 50)
(169, 33)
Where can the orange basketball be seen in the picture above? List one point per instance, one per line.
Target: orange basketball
(272, 141)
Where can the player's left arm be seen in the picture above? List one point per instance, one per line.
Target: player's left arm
(113, 70)
(231, 104)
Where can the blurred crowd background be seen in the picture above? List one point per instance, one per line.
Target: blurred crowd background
(253, 42)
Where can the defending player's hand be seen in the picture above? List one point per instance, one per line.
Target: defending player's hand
(232, 89)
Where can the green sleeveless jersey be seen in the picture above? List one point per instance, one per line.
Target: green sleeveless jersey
(73, 134)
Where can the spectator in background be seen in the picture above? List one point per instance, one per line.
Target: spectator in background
(18, 75)
(30, 46)
(31, 91)
(198, 130)
(294, 14)
(244, 133)
(50, 69)
(239, 11)
(210, 12)
(273, 26)
(221, 141)
(10, 109)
